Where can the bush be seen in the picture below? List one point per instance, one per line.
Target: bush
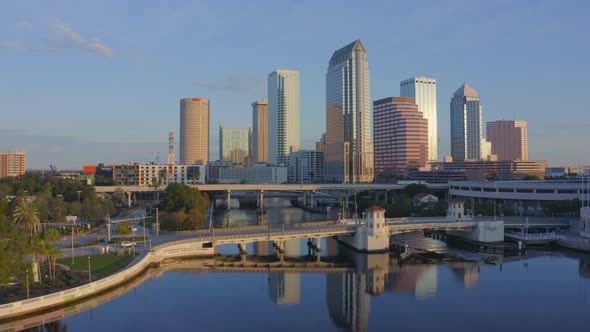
(123, 230)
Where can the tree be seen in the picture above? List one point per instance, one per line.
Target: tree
(119, 196)
(52, 251)
(25, 215)
(13, 250)
(414, 189)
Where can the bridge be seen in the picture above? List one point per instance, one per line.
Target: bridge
(275, 187)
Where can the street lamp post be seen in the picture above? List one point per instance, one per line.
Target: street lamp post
(89, 271)
(72, 243)
(27, 283)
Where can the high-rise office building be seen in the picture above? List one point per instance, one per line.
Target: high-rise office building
(234, 143)
(12, 164)
(423, 90)
(306, 166)
(260, 131)
(401, 135)
(349, 147)
(194, 131)
(283, 115)
(466, 125)
(509, 139)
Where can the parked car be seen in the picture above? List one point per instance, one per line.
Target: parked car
(128, 244)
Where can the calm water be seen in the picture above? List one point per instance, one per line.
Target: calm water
(539, 291)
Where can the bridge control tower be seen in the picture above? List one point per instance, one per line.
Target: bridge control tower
(372, 233)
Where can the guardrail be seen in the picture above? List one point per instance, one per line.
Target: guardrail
(532, 236)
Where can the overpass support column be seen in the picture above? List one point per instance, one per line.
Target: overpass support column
(305, 198)
(261, 200)
(311, 201)
(318, 250)
(346, 201)
(128, 199)
(386, 197)
(228, 199)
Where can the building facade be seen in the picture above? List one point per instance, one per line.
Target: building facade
(283, 115)
(136, 174)
(349, 147)
(253, 174)
(401, 136)
(466, 125)
(479, 170)
(12, 164)
(260, 131)
(306, 166)
(234, 143)
(423, 90)
(509, 139)
(194, 131)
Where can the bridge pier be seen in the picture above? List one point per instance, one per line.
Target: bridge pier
(311, 202)
(128, 199)
(228, 199)
(261, 200)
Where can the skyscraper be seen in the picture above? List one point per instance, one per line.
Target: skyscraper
(349, 147)
(466, 125)
(234, 143)
(194, 131)
(509, 139)
(423, 90)
(260, 131)
(401, 135)
(283, 115)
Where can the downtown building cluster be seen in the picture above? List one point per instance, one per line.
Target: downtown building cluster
(364, 141)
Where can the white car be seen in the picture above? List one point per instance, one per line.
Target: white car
(128, 244)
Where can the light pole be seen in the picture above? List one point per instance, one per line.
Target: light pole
(78, 191)
(89, 271)
(73, 242)
(144, 242)
(27, 283)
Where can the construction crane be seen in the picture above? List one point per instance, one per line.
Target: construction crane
(55, 170)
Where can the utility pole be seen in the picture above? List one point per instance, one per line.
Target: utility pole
(157, 223)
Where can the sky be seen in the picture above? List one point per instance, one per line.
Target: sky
(83, 82)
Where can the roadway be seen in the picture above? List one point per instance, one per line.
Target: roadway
(276, 187)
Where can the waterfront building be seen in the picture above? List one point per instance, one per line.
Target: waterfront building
(260, 131)
(12, 164)
(234, 143)
(138, 174)
(466, 125)
(498, 169)
(253, 174)
(509, 139)
(194, 131)
(349, 147)
(306, 166)
(283, 115)
(401, 136)
(423, 90)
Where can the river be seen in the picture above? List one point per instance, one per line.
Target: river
(537, 290)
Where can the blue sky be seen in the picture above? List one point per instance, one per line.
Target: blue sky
(100, 81)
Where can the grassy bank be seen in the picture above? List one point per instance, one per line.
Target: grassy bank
(101, 265)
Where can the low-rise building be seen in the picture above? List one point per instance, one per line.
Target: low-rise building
(502, 170)
(136, 174)
(12, 164)
(213, 167)
(306, 166)
(253, 174)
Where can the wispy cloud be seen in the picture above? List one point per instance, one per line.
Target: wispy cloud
(76, 40)
(70, 39)
(18, 46)
(24, 25)
(240, 83)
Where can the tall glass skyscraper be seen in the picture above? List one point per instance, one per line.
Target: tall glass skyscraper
(349, 147)
(467, 142)
(423, 90)
(234, 143)
(260, 131)
(283, 115)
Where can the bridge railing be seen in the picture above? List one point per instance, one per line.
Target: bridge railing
(255, 227)
(533, 236)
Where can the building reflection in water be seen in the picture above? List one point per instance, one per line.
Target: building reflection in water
(584, 268)
(285, 287)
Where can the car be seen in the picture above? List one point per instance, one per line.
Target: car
(128, 244)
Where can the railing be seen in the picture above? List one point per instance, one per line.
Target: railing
(532, 236)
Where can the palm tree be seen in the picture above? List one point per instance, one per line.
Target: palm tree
(26, 215)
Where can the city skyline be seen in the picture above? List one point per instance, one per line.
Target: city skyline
(136, 75)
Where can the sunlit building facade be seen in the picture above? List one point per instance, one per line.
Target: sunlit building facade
(260, 131)
(401, 135)
(194, 131)
(283, 115)
(349, 147)
(466, 125)
(12, 164)
(234, 143)
(423, 90)
(509, 139)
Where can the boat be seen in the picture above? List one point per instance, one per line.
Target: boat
(491, 260)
